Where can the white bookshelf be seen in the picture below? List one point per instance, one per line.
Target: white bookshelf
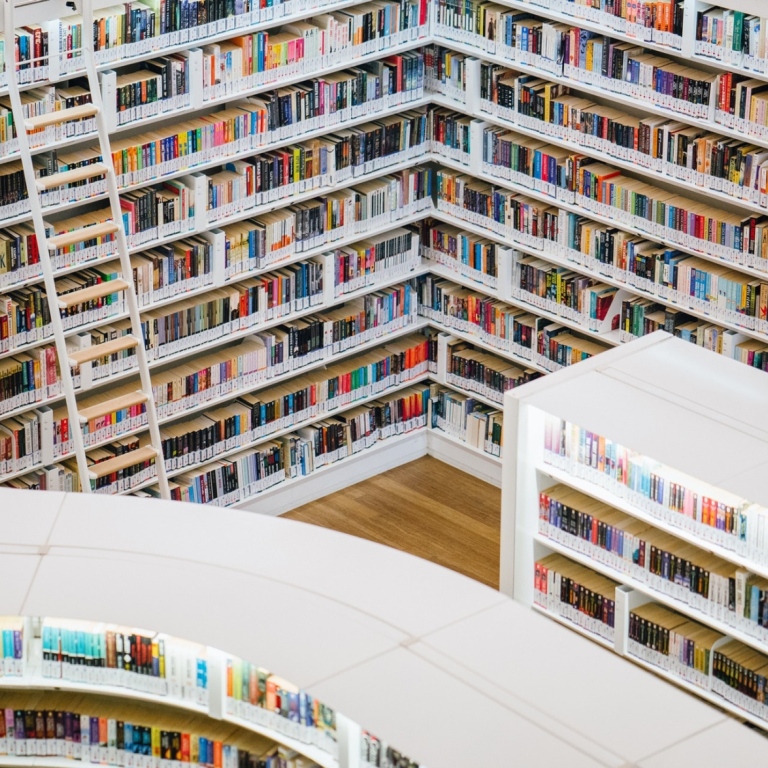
(696, 413)
(511, 246)
(388, 619)
(309, 742)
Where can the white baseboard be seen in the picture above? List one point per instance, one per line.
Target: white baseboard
(385, 455)
(452, 451)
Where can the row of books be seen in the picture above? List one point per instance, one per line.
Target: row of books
(532, 163)
(562, 291)
(34, 377)
(224, 374)
(139, 28)
(248, 418)
(583, 57)
(242, 184)
(349, 211)
(97, 654)
(257, 416)
(116, 741)
(28, 378)
(703, 228)
(685, 502)
(733, 37)
(378, 259)
(165, 84)
(672, 642)
(445, 72)
(39, 101)
(484, 374)
(200, 141)
(253, 60)
(256, 695)
(284, 234)
(108, 654)
(579, 54)
(544, 344)
(449, 134)
(528, 221)
(614, 255)
(104, 480)
(302, 452)
(709, 585)
(195, 321)
(199, 477)
(600, 189)
(147, 214)
(156, 87)
(634, 255)
(253, 124)
(462, 252)
(38, 371)
(656, 634)
(11, 646)
(652, 21)
(466, 419)
(283, 349)
(576, 594)
(641, 316)
(181, 266)
(698, 286)
(25, 315)
(270, 177)
(56, 430)
(739, 676)
(693, 155)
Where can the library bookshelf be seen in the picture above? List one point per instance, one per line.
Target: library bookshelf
(382, 620)
(632, 511)
(249, 196)
(494, 179)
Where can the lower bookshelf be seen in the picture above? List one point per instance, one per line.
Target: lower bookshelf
(628, 597)
(706, 693)
(217, 707)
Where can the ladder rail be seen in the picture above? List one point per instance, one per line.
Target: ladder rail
(60, 343)
(122, 246)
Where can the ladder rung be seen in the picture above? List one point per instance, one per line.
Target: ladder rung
(111, 406)
(68, 177)
(60, 116)
(81, 235)
(139, 456)
(97, 351)
(92, 292)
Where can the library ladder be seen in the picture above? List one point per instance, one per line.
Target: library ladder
(35, 11)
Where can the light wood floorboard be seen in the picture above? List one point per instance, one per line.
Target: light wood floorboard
(427, 508)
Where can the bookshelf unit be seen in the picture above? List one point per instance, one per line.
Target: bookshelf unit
(434, 75)
(650, 541)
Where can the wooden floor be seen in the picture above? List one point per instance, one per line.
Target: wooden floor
(426, 508)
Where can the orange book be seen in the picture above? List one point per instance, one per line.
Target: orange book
(271, 694)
